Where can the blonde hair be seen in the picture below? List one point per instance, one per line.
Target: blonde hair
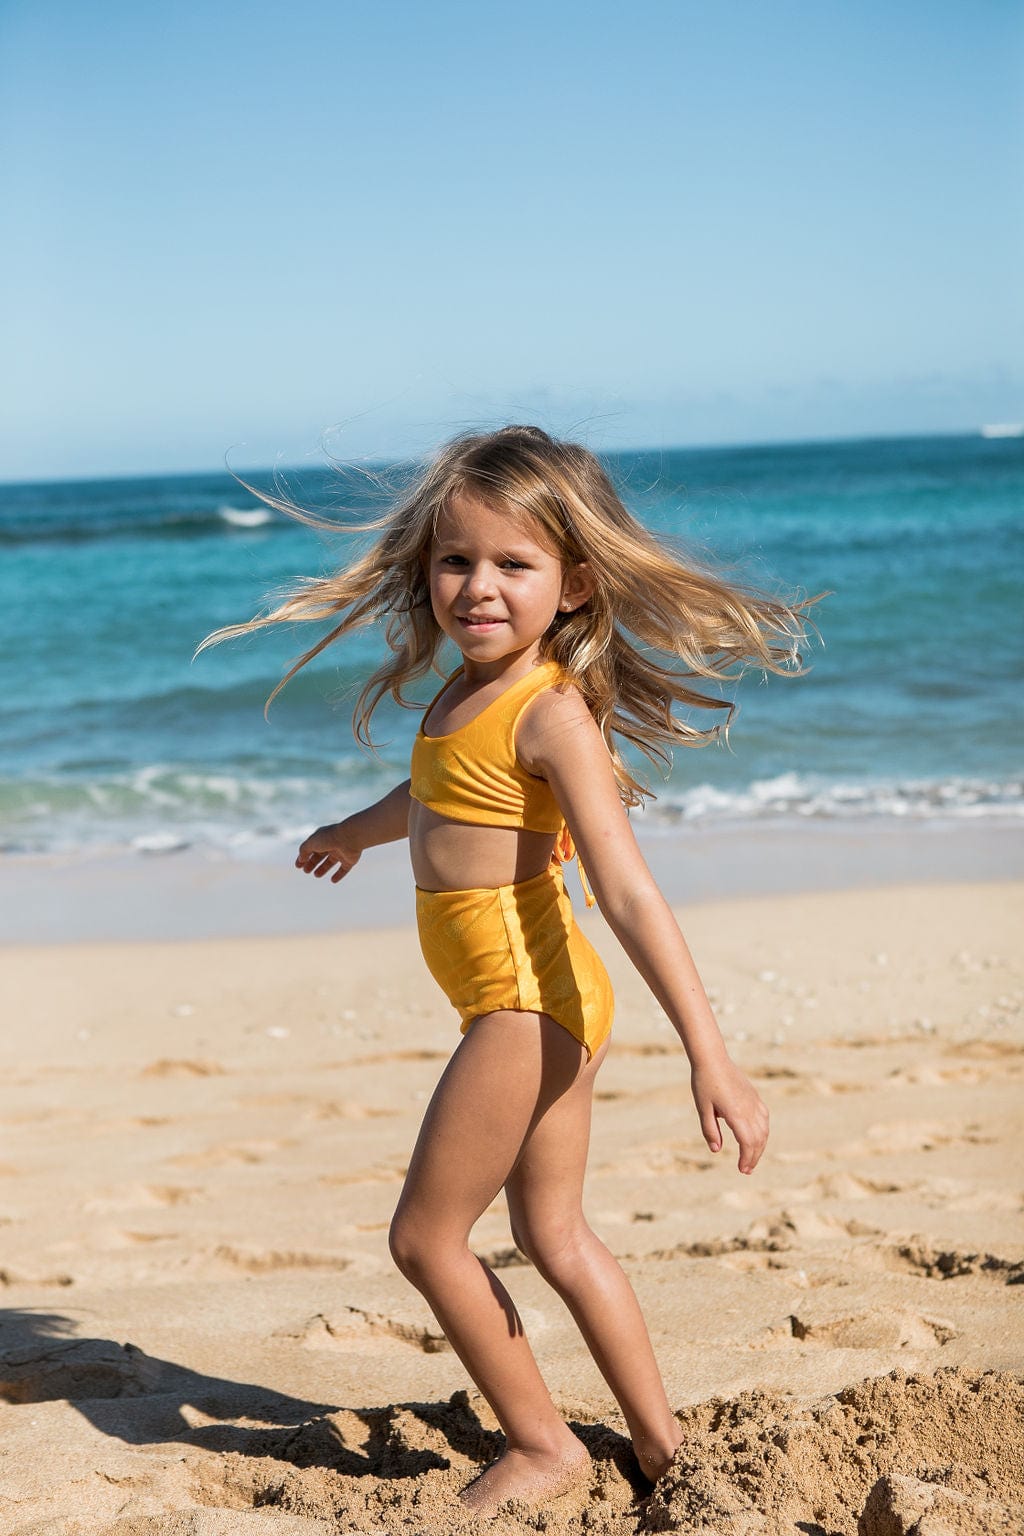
(654, 621)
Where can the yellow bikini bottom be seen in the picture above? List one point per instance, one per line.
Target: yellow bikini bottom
(516, 947)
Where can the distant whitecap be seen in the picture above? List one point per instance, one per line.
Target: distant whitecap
(245, 517)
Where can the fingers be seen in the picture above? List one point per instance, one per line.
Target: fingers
(315, 860)
(710, 1127)
(322, 864)
(743, 1112)
(310, 859)
(325, 865)
(751, 1136)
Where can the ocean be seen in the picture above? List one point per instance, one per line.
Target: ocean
(113, 738)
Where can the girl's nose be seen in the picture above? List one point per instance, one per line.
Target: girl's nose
(479, 582)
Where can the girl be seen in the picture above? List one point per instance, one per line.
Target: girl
(572, 622)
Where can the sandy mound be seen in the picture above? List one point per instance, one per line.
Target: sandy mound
(926, 1455)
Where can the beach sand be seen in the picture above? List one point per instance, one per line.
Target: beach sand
(203, 1140)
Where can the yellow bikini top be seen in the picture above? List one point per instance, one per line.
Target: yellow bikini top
(473, 774)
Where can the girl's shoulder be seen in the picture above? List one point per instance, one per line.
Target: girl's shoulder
(558, 709)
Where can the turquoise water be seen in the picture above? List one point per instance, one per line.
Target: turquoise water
(111, 737)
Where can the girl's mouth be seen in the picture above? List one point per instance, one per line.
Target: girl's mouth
(479, 625)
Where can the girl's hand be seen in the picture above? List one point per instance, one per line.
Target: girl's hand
(329, 848)
(720, 1091)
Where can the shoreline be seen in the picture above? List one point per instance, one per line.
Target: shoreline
(52, 899)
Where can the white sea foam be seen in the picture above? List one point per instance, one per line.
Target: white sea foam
(159, 808)
(245, 517)
(793, 795)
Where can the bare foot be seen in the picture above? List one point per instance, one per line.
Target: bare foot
(655, 1459)
(530, 1476)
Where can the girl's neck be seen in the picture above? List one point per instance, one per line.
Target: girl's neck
(506, 669)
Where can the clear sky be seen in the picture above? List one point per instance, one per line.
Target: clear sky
(232, 226)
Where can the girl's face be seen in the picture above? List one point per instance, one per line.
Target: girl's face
(496, 584)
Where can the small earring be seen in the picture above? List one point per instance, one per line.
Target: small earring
(565, 607)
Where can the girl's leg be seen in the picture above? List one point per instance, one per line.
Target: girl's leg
(545, 1203)
(502, 1081)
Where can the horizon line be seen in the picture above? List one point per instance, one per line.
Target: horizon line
(601, 453)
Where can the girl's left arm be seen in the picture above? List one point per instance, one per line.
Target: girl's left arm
(559, 739)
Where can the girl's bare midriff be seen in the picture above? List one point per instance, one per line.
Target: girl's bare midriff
(455, 856)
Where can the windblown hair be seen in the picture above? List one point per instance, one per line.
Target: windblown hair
(654, 623)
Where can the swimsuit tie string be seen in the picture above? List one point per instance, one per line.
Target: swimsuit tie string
(565, 850)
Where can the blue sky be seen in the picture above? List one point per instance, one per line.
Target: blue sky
(232, 227)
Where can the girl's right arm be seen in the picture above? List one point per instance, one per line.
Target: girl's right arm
(336, 848)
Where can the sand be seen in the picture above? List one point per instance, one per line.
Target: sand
(203, 1140)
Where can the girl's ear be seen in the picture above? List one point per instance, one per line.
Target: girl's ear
(577, 585)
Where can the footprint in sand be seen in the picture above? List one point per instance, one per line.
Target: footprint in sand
(807, 1226)
(874, 1329)
(231, 1152)
(314, 1108)
(914, 1136)
(386, 1058)
(772, 1072)
(113, 1239)
(351, 1326)
(1008, 1052)
(262, 1261)
(10, 1277)
(362, 1176)
(139, 1196)
(348, 1109)
(654, 1162)
(930, 1075)
(174, 1067)
(899, 1329)
(960, 1195)
(790, 1084)
(827, 1186)
(844, 1186)
(920, 1257)
(768, 1235)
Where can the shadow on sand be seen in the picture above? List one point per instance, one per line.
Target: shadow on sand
(142, 1400)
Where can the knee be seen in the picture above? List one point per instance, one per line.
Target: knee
(556, 1252)
(408, 1244)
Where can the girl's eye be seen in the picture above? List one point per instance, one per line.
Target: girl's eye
(457, 562)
